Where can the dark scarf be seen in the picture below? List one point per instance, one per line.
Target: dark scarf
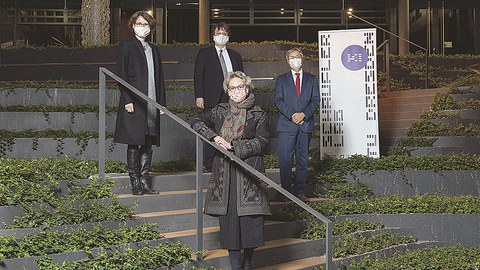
(234, 122)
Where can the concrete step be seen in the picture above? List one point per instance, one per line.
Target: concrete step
(304, 263)
(385, 116)
(65, 96)
(438, 150)
(392, 133)
(273, 230)
(274, 251)
(456, 122)
(415, 92)
(283, 252)
(398, 123)
(395, 107)
(165, 201)
(173, 147)
(173, 181)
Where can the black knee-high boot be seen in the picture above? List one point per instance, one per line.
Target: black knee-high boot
(133, 163)
(235, 256)
(247, 258)
(145, 160)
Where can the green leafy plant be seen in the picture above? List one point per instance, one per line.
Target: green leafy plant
(168, 254)
(27, 182)
(428, 128)
(446, 102)
(354, 244)
(7, 138)
(396, 204)
(445, 258)
(316, 230)
(49, 241)
(68, 210)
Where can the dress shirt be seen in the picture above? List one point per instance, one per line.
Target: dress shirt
(295, 77)
(226, 57)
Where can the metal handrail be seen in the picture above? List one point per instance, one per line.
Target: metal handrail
(386, 45)
(199, 144)
(350, 13)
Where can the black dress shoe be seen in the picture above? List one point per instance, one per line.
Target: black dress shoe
(303, 198)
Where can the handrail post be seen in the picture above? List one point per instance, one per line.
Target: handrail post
(199, 178)
(387, 66)
(426, 69)
(329, 246)
(101, 123)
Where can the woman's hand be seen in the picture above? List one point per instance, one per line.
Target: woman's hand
(200, 103)
(221, 142)
(129, 107)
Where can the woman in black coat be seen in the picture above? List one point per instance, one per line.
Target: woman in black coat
(237, 198)
(138, 123)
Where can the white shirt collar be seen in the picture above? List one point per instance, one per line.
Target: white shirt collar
(218, 49)
(293, 72)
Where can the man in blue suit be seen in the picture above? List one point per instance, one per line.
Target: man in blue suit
(297, 98)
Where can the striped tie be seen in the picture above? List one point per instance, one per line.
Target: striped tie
(222, 63)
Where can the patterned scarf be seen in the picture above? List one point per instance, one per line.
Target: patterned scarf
(234, 122)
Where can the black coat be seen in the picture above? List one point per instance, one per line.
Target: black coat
(131, 66)
(251, 193)
(208, 75)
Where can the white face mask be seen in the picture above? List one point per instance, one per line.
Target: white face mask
(141, 31)
(220, 40)
(295, 63)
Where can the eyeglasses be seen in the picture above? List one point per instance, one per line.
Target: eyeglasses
(144, 25)
(240, 87)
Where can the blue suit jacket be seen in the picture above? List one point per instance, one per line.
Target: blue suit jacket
(288, 103)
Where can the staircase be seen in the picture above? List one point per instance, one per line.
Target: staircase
(174, 210)
(398, 110)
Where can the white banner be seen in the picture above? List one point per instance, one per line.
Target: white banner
(348, 92)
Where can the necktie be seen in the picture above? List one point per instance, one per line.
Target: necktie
(222, 63)
(297, 83)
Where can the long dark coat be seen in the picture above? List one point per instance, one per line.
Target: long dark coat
(208, 75)
(251, 195)
(132, 67)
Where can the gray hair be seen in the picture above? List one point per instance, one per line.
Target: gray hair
(237, 74)
(292, 50)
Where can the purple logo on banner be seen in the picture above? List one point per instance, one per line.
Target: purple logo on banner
(354, 57)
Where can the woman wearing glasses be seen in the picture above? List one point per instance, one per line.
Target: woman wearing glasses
(237, 198)
(138, 123)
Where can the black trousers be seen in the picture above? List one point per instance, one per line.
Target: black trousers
(239, 232)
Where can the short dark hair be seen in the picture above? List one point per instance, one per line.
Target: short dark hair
(144, 14)
(223, 26)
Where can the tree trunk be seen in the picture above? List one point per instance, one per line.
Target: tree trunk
(95, 22)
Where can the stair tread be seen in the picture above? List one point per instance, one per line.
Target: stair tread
(165, 213)
(293, 265)
(216, 253)
(207, 230)
(193, 210)
(164, 193)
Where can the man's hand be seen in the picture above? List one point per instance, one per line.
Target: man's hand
(129, 107)
(200, 103)
(221, 142)
(298, 118)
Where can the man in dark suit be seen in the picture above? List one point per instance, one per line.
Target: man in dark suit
(212, 65)
(297, 98)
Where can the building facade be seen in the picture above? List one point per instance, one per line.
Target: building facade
(439, 26)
